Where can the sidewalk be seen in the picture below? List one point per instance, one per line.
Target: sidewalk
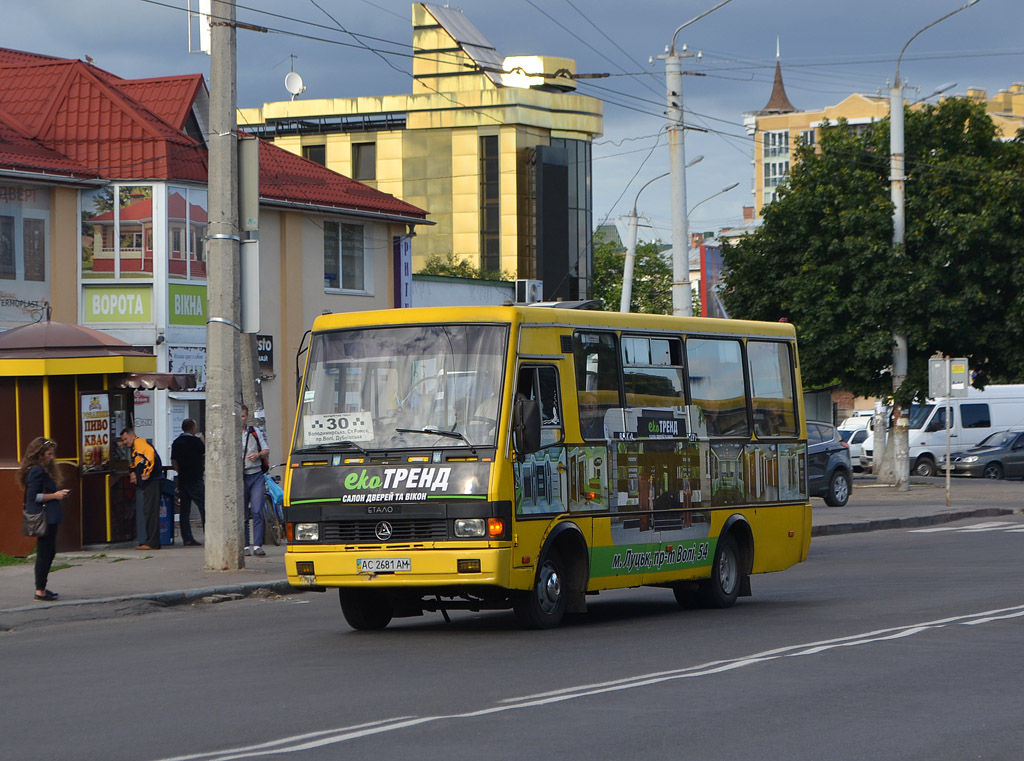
(175, 575)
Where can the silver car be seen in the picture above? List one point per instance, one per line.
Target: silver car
(999, 455)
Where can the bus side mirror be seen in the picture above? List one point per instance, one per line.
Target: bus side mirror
(525, 426)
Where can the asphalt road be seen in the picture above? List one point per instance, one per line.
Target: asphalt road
(892, 644)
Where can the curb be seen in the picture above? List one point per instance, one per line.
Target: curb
(173, 597)
(882, 524)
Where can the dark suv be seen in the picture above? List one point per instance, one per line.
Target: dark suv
(828, 464)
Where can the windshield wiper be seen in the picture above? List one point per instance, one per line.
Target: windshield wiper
(439, 432)
(334, 445)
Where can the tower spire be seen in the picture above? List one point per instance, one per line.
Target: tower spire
(778, 103)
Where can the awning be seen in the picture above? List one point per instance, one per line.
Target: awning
(160, 381)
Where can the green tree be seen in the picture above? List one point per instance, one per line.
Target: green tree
(451, 265)
(823, 257)
(652, 277)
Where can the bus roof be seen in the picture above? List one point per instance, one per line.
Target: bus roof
(534, 315)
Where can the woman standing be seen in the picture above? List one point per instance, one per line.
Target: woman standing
(38, 476)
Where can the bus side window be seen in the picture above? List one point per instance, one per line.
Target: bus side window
(540, 384)
(597, 379)
(770, 364)
(715, 369)
(652, 371)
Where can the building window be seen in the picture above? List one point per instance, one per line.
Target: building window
(490, 241)
(186, 221)
(317, 153)
(775, 152)
(809, 137)
(8, 269)
(364, 162)
(344, 257)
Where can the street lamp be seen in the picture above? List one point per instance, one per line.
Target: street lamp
(713, 195)
(897, 181)
(682, 303)
(631, 234)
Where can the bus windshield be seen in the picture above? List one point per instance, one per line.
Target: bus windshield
(402, 387)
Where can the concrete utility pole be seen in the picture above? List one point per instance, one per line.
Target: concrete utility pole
(682, 297)
(897, 180)
(223, 421)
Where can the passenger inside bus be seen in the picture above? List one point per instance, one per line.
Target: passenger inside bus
(591, 416)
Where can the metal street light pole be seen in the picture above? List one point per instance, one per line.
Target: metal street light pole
(631, 235)
(713, 195)
(627, 269)
(682, 303)
(897, 181)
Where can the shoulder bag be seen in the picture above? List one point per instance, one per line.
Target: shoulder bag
(33, 524)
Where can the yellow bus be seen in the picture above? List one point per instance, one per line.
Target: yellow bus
(525, 457)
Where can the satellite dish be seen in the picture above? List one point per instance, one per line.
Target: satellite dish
(293, 84)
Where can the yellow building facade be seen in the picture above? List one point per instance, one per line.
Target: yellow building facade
(497, 150)
(777, 128)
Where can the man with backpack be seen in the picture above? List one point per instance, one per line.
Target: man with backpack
(255, 452)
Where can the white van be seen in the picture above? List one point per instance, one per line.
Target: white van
(858, 421)
(972, 419)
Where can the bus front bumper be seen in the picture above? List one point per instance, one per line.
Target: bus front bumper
(321, 566)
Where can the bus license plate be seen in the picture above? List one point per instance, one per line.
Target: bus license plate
(383, 565)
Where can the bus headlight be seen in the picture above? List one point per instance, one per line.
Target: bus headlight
(307, 532)
(468, 528)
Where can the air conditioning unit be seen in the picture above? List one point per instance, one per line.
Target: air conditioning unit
(529, 291)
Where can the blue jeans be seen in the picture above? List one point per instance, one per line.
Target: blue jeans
(254, 493)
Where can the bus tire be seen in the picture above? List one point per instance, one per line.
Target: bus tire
(722, 589)
(543, 606)
(365, 610)
(687, 595)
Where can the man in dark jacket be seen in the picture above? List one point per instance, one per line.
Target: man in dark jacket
(146, 472)
(188, 457)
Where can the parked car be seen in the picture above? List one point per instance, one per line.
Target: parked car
(1000, 455)
(855, 441)
(829, 474)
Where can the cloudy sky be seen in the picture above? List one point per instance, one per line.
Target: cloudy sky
(345, 48)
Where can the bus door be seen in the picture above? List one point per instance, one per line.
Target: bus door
(542, 480)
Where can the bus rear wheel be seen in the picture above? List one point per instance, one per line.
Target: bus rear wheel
(365, 610)
(722, 589)
(543, 606)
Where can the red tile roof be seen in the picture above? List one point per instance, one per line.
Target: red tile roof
(65, 116)
(292, 179)
(170, 98)
(20, 153)
(118, 128)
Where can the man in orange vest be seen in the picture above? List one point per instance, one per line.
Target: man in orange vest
(146, 472)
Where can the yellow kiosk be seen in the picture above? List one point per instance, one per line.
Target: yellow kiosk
(74, 385)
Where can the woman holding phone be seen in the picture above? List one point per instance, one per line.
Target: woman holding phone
(39, 477)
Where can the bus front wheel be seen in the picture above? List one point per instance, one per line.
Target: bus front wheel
(364, 609)
(543, 606)
(722, 589)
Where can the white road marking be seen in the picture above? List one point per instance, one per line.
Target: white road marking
(974, 527)
(298, 743)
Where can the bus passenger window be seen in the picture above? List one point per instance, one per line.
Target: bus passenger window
(652, 371)
(597, 379)
(715, 367)
(771, 388)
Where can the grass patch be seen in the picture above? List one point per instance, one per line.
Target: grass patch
(60, 566)
(11, 560)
